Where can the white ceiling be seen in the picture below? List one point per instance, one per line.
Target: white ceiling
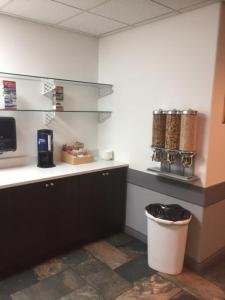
(97, 17)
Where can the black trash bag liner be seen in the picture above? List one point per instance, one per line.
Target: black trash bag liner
(171, 212)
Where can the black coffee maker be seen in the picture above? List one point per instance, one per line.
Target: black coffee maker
(45, 148)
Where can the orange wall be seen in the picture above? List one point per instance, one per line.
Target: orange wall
(216, 146)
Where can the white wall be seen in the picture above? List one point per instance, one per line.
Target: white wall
(166, 64)
(29, 48)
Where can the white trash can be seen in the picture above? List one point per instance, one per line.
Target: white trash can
(166, 244)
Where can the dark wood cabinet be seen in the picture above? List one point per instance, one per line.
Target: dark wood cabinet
(68, 201)
(103, 203)
(41, 219)
(37, 219)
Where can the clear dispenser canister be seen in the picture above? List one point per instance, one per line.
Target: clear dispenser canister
(172, 138)
(158, 129)
(188, 131)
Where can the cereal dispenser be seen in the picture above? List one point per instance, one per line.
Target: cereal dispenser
(158, 133)
(174, 135)
(188, 137)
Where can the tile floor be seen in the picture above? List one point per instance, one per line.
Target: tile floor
(115, 268)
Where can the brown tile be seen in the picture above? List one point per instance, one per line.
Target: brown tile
(75, 257)
(153, 288)
(136, 269)
(134, 248)
(108, 254)
(84, 293)
(49, 268)
(197, 285)
(108, 283)
(119, 239)
(16, 283)
(34, 292)
(51, 288)
(21, 296)
(184, 296)
(71, 280)
(216, 274)
(89, 267)
(6, 297)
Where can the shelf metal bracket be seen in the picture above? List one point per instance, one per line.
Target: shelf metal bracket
(103, 116)
(47, 87)
(104, 91)
(48, 117)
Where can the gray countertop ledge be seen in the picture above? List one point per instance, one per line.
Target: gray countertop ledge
(184, 191)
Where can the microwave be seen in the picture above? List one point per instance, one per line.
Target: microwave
(7, 134)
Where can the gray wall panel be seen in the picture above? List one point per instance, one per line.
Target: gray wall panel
(183, 191)
(138, 198)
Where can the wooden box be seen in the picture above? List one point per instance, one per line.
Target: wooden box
(73, 160)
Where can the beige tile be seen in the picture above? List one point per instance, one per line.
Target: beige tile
(153, 288)
(197, 285)
(108, 254)
(49, 268)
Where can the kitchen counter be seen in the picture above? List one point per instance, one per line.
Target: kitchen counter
(21, 175)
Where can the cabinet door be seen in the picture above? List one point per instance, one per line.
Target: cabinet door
(23, 223)
(62, 213)
(102, 203)
(66, 202)
(115, 200)
(90, 205)
(6, 227)
(37, 220)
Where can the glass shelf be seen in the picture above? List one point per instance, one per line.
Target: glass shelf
(57, 80)
(47, 87)
(57, 111)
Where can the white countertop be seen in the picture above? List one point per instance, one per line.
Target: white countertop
(21, 175)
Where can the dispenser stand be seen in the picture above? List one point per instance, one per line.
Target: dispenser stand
(174, 164)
